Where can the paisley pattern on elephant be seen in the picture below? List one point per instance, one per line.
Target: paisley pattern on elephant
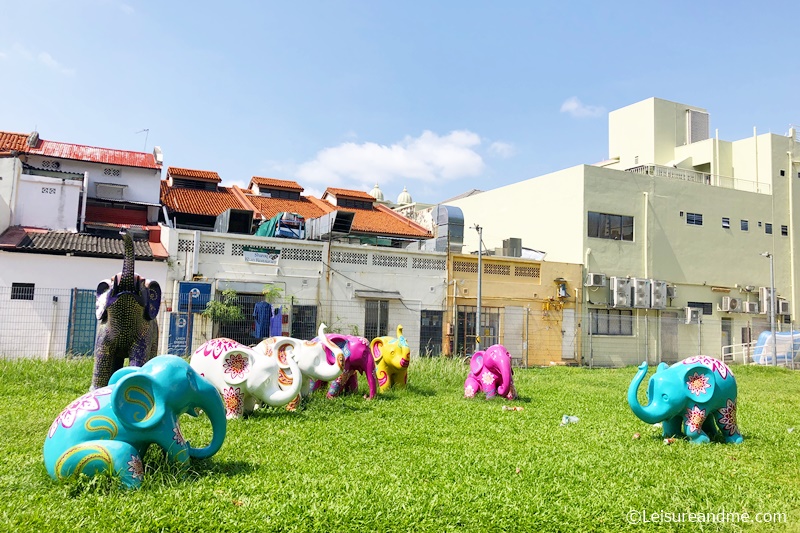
(392, 358)
(695, 398)
(109, 429)
(127, 306)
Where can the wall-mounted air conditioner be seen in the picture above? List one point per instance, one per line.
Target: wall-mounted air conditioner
(750, 307)
(672, 291)
(594, 279)
(658, 294)
(641, 292)
(731, 305)
(765, 299)
(783, 307)
(620, 292)
(692, 315)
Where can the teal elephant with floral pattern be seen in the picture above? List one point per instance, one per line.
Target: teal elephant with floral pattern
(695, 398)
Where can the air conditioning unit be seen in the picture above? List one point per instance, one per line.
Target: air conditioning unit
(594, 279)
(731, 305)
(692, 315)
(658, 294)
(672, 291)
(750, 307)
(783, 307)
(641, 292)
(620, 292)
(765, 298)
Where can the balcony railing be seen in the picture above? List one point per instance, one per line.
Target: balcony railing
(701, 177)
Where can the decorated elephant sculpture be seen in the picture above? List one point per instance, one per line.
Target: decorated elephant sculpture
(245, 376)
(392, 357)
(127, 306)
(490, 372)
(357, 359)
(109, 429)
(695, 397)
(311, 359)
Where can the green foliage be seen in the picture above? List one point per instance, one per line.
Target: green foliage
(420, 459)
(226, 310)
(272, 293)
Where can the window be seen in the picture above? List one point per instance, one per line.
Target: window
(745, 225)
(606, 226)
(110, 191)
(783, 172)
(304, 321)
(785, 231)
(430, 333)
(726, 222)
(611, 322)
(705, 306)
(694, 219)
(22, 291)
(376, 318)
(768, 228)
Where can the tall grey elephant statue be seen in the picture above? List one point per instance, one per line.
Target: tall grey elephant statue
(127, 305)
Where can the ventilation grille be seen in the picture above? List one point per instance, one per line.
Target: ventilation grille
(463, 266)
(393, 261)
(212, 247)
(527, 272)
(185, 245)
(351, 258)
(498, 270)
(428, 264)
(301, 254)
(237, 249)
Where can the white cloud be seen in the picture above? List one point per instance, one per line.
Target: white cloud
(578, 109)
(48, 60)
(22, 51)
(427, 158)
(502, 149)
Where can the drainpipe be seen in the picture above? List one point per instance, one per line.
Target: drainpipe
(755, 148)
(792, 273)
(196, 254)
(83, 203)
(14, 187)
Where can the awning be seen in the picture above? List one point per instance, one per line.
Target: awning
(382, 295)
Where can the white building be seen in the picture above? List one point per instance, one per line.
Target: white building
(671, 204)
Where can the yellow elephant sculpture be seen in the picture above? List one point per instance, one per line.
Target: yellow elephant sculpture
(392, 357)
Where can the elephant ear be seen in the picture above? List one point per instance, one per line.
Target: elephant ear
(135, 401)
(476, 363)
(376, 348)
(103, 293)
(700, 383)
(236, 366)
(341, 341)
(149, 296)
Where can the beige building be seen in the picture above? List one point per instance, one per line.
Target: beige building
(670, 231)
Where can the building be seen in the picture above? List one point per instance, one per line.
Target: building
(670, 231)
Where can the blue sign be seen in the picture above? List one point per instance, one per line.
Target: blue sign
(180, 334)
(196, 292)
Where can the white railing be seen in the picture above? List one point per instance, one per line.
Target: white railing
(694, 176)
(738, 353)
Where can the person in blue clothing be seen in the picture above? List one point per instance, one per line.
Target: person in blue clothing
(276, 323)
(262, 312)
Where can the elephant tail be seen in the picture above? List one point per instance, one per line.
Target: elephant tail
(97, 456)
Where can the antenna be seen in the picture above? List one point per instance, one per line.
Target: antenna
(146, 133)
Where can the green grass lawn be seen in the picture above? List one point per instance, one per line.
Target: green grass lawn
(422, 459)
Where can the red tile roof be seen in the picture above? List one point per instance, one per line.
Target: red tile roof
(379, 220)
(206, 175)
(304, 207)
(198, 202)
(78, 152)
(348, 193)
(273, 183)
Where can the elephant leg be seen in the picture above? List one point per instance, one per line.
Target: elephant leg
(512, 392)
(383, 381)
(710, 428)
(335, 389)
(693, 421)
(471, 387)
(673, 427)
(93, 457)
(140, 351)
(105, 364)
(402, 379)
(351, 385)
(726, 420)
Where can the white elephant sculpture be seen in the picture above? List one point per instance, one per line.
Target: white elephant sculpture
(245, 376)
(310, 357)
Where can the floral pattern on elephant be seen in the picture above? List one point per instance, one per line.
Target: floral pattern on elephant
(728, 418)
(236, 366)
(698, 384)
(234, 401)
(85, 404)
(178, 438)
(136, 467)
(695, 418)
(714, 364)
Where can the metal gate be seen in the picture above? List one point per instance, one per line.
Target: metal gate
(82, 322)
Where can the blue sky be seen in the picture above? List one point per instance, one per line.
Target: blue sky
(439, 97)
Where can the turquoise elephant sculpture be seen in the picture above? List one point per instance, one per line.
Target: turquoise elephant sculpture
(695, 398)
(392, 356)
(109, 429)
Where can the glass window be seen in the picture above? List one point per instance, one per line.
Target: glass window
(304, 321)
(376, 318)
(785, 231)
(22, 291)
(611, 322)
(608, 226)
(430, 333)
(768, 228)
(726, 222)
(694, 219)
(745, 225)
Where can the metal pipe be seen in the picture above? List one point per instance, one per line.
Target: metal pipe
(480, 279)
(83, 203)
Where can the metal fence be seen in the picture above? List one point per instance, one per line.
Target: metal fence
(54, 323)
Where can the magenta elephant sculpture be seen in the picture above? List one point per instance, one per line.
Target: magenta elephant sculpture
(357, 360)
(490, 372)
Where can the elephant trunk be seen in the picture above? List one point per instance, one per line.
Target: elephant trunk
(215, 410)
(644, 412)
(505, 373)
(126, 282)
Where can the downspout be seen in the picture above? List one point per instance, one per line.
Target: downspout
(792, 262)
(83, 202)
(14, 187)
(755, 148)
(196, 254)
(167, 221)
(585, 297)
(715, 170)
(645, 250)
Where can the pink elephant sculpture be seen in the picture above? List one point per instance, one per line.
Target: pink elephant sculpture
(490, 372)
(357, 359)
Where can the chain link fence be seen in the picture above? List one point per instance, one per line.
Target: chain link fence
(56, 323)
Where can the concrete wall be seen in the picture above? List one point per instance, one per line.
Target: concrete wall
(47, 202)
